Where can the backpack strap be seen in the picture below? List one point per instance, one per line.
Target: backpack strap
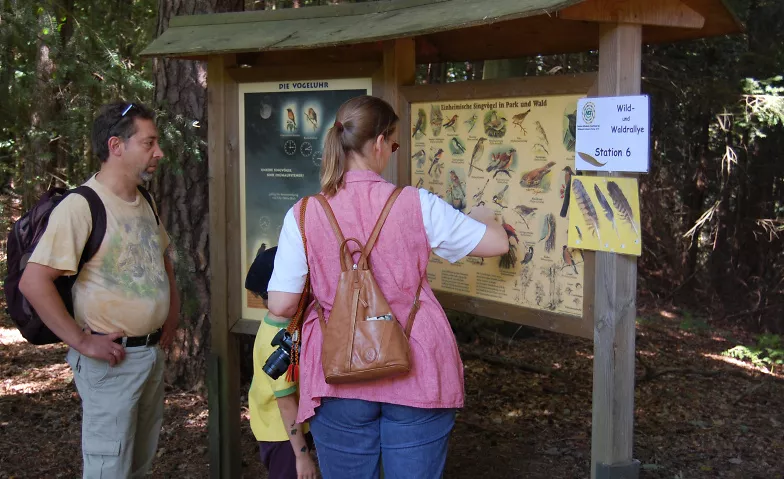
(148, 197)
(345, 258)
(412, 314)
(379, 224)
(98, 230)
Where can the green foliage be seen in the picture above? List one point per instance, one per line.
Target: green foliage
(692, 324)
(767, 354)
(58, 65)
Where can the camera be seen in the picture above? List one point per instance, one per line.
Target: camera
(278, 362)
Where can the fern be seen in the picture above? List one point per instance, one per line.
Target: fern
(767, 354)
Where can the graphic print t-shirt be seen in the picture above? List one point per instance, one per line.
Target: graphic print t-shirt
(124, 287)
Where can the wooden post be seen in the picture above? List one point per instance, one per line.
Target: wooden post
(399, 70)
(224, 362)
(615, 294)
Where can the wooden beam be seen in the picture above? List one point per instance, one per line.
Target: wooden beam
(665, 13)
(246, 326)
(225, 412)
(501, 88)
(304, 72)
(615, 292)
(399, 70)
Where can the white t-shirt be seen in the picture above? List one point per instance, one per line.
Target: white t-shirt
(450, 233)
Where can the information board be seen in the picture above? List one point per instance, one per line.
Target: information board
(516, 156)
(283, 126)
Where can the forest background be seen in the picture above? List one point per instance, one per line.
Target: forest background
(712, 204)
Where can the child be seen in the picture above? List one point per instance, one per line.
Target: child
(284, 446)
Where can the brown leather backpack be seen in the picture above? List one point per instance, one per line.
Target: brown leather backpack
(362, 340)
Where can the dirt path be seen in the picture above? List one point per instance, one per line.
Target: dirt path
(516, 424)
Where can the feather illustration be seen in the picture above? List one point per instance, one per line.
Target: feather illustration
(590, 159)
(548, 232)
(622, 204)
(579, 233)
(586, 207)
(608, 212)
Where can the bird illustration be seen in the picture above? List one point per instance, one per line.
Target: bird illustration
(568, 260)
(312, 117)
(479, 150)
(524, 211)
(518, 120)
(457, 146)
(471, 122)
(534, 178)
(541, 147)
(495, 125)
(498, 198)
(451, 123)
(456, 183)
(436, 119)
(500, 162)
(567, 187)
(542, 134)
(290, 114)
(510, 231)
(436, 158)
(528, 256)
(570, 135)
(419, 127)
(420, 158)
(478, 195)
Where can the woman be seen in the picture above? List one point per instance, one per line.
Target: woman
(401, 422)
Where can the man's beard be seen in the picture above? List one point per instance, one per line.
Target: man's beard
(145, 176)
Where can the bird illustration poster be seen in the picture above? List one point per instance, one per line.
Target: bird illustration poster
(516, 157)
(283, 126)
(604, 214)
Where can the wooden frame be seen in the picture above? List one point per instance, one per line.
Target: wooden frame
(496, 89)
(243, 75)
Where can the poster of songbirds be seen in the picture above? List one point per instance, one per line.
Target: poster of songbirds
(604, 214)
(516, 157)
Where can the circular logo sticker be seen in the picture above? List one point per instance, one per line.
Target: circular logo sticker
(589, 112)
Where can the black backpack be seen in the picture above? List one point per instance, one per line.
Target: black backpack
(25, 235)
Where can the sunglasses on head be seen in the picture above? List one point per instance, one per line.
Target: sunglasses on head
(122, 115)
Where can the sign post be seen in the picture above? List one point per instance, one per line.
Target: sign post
(613, 134)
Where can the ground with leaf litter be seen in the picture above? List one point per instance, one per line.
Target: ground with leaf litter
(698, 414)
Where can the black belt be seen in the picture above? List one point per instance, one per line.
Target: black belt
(135, 341)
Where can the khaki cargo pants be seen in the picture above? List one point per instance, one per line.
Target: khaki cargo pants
(122, 411)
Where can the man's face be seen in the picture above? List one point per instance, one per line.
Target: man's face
(141, 152)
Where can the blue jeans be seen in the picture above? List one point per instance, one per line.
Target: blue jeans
(354, 438)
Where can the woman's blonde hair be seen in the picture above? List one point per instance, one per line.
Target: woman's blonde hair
(359, 120)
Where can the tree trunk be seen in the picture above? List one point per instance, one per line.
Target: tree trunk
(38, 153)
(181, 189)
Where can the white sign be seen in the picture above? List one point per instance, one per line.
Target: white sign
(613, 134)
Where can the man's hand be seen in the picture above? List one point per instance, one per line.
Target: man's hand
(169, 329)
(306, 468)
(102, 346)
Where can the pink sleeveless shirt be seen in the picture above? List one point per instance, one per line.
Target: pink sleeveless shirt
(398, 260)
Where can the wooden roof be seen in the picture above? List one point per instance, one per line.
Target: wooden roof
(445, 30)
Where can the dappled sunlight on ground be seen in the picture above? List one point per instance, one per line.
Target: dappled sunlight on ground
(10, 336)
(516, 424)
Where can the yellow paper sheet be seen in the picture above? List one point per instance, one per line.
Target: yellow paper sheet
(605, 215)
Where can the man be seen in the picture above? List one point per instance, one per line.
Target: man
(125, 297)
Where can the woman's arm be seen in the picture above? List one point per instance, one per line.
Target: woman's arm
(291, 268)
(283, 304)
(494, 242)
